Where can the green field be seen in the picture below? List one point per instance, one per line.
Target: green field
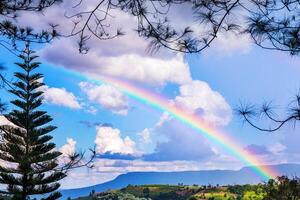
(172, 192)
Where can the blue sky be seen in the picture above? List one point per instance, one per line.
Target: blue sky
(132, 136)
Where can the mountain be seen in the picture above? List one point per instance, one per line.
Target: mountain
(245, 175)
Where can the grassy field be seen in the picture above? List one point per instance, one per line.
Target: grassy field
(180, 192)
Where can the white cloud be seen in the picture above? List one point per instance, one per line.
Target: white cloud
(163, 118)
(92, 110)
(107, 96)
(129, 65)
(69, 148)
(277, 148)
(125, 56)
(178, 142)
(149, 70)
(109, 140)
(226, 43)
(145, 136)
(60, 96)
(197, 97)
(230, 43)
(4, 121)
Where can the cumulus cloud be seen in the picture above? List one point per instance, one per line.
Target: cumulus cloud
(163, 118)
(92, 110)
(143, 68)
(61, 97)
(124, 56)
(182, 143)
(197, 97)
(69, 148)
(4, 121)
(107, 96)
(150, 70)
(230, 43)
(226, 43)
(145, 136)
(277, 148)
(179, 142)
(109, 140)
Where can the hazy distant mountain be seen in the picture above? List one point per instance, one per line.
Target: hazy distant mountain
(221, 177)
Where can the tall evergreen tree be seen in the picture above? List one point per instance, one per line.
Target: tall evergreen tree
(31, 165)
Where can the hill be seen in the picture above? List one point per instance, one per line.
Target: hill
(164, 192)
(180, 192)
(212, 177)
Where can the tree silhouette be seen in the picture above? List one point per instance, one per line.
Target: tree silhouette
(11, 31)
(31, 164)
(25, 146)
(282, 188)
(252, 115)
(146, 192)
(272, 24)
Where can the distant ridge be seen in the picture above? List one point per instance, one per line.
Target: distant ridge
(203, 177)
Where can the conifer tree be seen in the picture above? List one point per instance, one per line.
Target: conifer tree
(31, 165)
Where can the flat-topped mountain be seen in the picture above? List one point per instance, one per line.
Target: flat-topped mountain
(245, 175)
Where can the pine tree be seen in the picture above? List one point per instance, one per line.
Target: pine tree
(31, 165)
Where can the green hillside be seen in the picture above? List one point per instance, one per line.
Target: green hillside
(279, 189)
(170, 192)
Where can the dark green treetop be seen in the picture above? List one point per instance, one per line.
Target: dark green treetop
(31, 161)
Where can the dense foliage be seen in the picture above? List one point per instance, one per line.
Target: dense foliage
(283, 189)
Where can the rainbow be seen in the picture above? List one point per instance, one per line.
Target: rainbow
(193, 121)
